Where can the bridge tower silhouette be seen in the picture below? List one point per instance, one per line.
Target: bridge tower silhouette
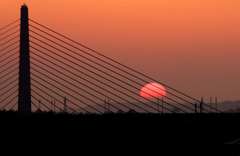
(24, 101)
(52, 66)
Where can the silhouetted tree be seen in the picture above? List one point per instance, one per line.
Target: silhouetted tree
(120, 112)
(132, 111)
(176, 110)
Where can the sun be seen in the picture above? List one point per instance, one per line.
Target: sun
(152, 90)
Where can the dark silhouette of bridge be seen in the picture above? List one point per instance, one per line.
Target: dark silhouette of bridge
(42, 69)
(67, 76)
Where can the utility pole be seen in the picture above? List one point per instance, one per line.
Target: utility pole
(108, 106)
(39, 104)
(201, 106)
(51, 105)
(24, 94)
(210, 105)
(65, 104)
(54, 105)
(162, 105)
(195, 108)
(216, 104)
(105, 105)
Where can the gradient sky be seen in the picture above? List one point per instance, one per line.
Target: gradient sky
(192, 46)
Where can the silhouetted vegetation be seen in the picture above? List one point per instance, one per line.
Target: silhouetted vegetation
(124, 131)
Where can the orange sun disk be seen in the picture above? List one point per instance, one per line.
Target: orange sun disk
(153, 90)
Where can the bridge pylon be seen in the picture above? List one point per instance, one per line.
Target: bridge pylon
(24, 96)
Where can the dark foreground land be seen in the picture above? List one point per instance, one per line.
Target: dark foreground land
(167, 134)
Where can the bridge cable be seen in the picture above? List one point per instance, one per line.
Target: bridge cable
(55, 93)
(10, 94)
(8, 73)
(108, 69)
(55, 105)
(100, 76)
(41, 103)
(83, 79)
(66, 86)
(8, 51)
(8, 63)
(96, 80)
(102, 61)
(92, 55)
(9, 25)
(10, 56)
(9, 35)
(8, 85)
(13, 105)
(79, 82)
(9, 40)
(91, 77)
(35, 105)
(11, 45)
(111, 60)
(119, 63)
(8, 79)
(65, 92)
(9, 102)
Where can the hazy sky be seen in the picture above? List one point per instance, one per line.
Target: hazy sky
(192, 46)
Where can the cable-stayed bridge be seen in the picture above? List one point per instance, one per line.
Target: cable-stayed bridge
(41, 69)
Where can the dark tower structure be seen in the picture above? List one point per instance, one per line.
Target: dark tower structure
(24, 95)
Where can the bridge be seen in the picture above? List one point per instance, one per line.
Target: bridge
(41, 69)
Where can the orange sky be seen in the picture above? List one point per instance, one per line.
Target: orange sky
(192, 46)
